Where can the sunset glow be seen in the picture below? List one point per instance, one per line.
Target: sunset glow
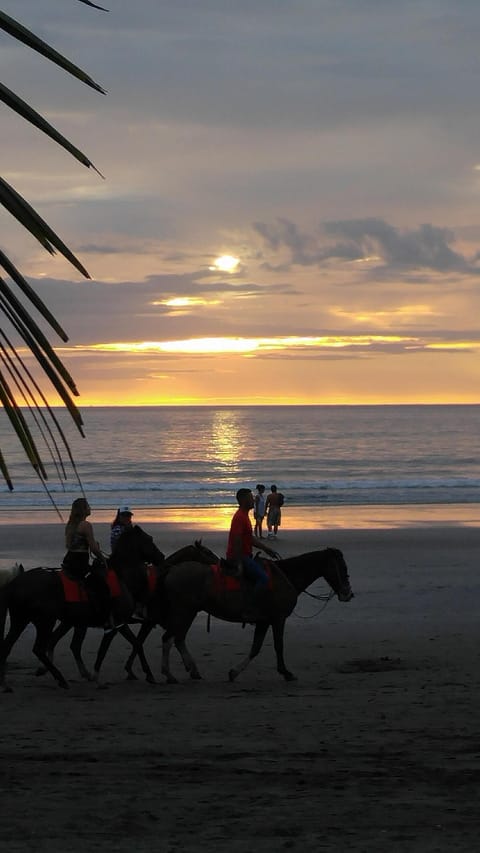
(292, 239)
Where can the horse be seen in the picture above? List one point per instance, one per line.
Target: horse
(38, 596)
(155, 603)
(192, 587)
(141, 567)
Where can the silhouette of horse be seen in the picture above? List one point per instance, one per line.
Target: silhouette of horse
(156, 605)
(141, 567)
(39, 596)
(192, 587)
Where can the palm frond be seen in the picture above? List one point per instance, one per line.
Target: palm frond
(18, 31)
(23, 109)
(16, 378)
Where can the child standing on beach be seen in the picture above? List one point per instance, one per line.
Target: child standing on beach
(259, 509)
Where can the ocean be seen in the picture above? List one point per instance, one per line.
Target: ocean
(341, 462)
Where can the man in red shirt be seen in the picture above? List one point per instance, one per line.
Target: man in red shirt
(241, 541)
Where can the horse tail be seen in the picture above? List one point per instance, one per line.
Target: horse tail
(6, 578)
(4, 600)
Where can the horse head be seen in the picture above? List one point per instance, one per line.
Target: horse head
(204, 555)
(135, 546)
(337, 575)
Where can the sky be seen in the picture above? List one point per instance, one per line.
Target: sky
(290, 210)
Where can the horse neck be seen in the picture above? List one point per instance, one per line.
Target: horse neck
(303, 570)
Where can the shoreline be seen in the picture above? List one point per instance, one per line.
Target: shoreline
(306, 517)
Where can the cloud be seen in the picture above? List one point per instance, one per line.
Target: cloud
(372, 240)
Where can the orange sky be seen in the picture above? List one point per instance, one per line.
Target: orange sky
(290, 208)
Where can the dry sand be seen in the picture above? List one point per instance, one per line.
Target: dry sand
(376, 747)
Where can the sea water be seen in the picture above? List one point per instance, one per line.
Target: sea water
(337, 459)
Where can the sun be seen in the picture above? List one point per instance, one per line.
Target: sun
(225, 263)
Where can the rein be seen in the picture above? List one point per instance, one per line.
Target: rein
(326, 597)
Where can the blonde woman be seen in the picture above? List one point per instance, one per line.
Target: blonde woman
(80, 543)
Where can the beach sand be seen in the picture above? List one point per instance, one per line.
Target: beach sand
(376, 747)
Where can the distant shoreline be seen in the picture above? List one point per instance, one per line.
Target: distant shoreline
(344, 517)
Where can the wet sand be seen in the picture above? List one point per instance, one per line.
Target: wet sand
(376, 747)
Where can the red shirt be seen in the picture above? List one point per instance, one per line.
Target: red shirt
(240, 526)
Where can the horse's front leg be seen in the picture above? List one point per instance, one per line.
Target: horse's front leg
(142, 635)
(261, 629)
(137, 645)
(79, 634)
(278, 628)
(102, 651)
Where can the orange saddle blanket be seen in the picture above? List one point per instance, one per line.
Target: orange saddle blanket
(75, 591)
(224, 582)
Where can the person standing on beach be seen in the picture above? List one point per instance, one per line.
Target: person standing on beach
(241, 541)
(259, 509)
(274, 513)
(80, 543)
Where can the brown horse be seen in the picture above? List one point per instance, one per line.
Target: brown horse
(192, 587)
(135, 549)
(37, 596)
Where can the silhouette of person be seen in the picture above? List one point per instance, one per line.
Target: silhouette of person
(273, 510)
(259, 509)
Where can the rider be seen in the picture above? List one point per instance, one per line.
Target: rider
(241, 541)
(80, 543)
(122, 523)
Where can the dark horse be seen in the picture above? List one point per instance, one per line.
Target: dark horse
(37, 596)
(153, 597)
(191, 587)
(142, 568)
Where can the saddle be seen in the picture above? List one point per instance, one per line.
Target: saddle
(228, 579)
(77, 590)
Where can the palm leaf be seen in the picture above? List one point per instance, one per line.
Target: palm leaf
(23, 284)
(18, 31)
(23, 109)
(20, 377)
(30, 219)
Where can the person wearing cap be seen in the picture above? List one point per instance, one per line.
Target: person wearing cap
(121, 523)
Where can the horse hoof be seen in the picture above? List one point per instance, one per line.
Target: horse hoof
(195, 675)
(64, 685)
(7, 689)
(289, 676)
(171, 679)
(131, 676)
(42, 670)
(150, 679)
(232, 675)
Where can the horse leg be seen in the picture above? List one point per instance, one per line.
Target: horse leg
(102, 651)
(79, 634)
(142, 635)
(187, 658)
(40, 649)
(178, 637)
(127, 632)
(17, 627)
(278, 628)
(167, 643)
(261, 629)
(59, 632)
